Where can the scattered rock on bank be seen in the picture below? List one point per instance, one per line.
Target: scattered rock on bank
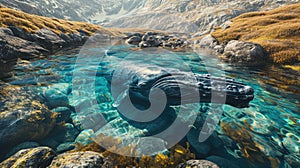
(153, 39)
(134, 40)
(235, 51)
(33, 158)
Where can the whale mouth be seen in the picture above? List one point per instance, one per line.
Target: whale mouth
(185, 88)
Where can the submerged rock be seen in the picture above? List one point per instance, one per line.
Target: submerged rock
(78, 159)
(198, 164)
(65, 147)
(84, 137)
(23, 117)
(245, 53)
(55, 98)
(222, 162)
(64, 114)
(33, 158)
(24, 145)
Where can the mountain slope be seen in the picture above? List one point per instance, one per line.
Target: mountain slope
(77, 10)
(191, 16)
(187, 16)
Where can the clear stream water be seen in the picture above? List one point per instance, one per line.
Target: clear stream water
(272, 120)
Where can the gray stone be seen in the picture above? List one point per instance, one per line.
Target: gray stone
(134, 40)
(144, 44)
(245, 52)
(6, 31)
(77, 160)
(55, 98)
(198, 164)
(64, 114)
(208, 41)
(145, 37)
(67, 134)
(219, 48)
(226, 25)
(84, 137)
(33, 158)
(65, 147)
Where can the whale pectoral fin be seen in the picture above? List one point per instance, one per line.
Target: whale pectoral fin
(120, 98)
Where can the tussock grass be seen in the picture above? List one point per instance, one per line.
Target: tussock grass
(32, 23)
(278, 31)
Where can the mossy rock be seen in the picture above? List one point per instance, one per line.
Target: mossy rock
(79, 159)
(33, 158)
(22, 117)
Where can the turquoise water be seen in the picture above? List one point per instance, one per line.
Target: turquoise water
(272, 120)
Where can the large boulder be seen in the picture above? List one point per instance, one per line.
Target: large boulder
(245, 52)
(78, 159)
(22, 117)
(33, 158)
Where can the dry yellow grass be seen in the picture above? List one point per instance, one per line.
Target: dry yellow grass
(32, 23)
(278, 31)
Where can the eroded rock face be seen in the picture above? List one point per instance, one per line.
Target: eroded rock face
(33, 158)
(17, 43)
(13, 47)
(78, 159)
(198, 164)
(245, 53)
(22, 117)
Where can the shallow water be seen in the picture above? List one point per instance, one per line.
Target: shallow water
(272, 120)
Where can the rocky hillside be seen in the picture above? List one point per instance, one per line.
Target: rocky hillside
(29, 36)
(188, 16)
(278, 31)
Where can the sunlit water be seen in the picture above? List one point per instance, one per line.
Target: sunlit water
(272, 120)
